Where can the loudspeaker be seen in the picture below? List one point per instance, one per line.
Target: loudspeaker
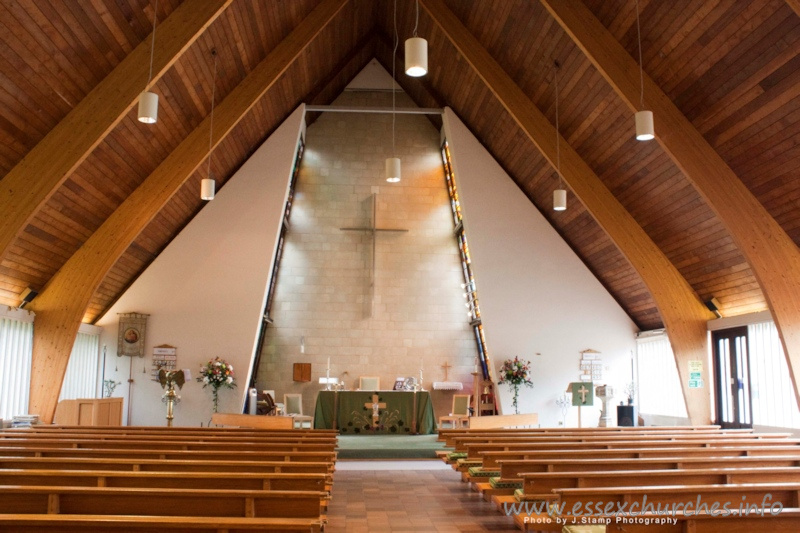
(713, 306)
(27, 296)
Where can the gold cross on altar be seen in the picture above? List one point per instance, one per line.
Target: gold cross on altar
(446, 367)
(376, 405)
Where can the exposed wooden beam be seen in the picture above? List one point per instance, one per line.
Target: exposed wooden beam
(26, 188)
(683, 313)
(795, 5)
(771, 253)
(60, 307)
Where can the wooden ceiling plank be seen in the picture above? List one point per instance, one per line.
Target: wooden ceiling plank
(63, 303)
(68, 144)
(771, 253)
(680, 308)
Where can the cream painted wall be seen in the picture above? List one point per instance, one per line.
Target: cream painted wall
(205, 292)
(538, 300)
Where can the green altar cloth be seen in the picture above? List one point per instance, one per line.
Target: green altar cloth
(351, 413)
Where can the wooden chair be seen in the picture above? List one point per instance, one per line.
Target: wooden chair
(294, 408)
(265, 404)
(459, 416)
(369, 383)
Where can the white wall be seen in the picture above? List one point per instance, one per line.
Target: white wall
(538, 300)
(205, 292)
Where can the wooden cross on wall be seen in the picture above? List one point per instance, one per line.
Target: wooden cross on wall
(373, 231)
(376, 405)
(446, 367)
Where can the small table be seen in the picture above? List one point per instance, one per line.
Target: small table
(405, 412)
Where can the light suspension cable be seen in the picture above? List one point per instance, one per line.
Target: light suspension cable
(644, 119)
(208, 185)
(560, 194)
(148, 100)
(393, 163)
(416, 52)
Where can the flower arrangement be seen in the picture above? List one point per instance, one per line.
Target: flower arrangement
(514, 373)
(215, 374)
(108, 387)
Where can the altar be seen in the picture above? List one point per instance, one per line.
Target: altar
(375, 412)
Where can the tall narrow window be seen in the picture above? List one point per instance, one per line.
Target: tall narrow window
(659, 387)
(16, 351)
(287, 209)
(469, 286)
(774, 400)
(80, 380)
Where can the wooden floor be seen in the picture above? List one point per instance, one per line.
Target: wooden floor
(395, 496)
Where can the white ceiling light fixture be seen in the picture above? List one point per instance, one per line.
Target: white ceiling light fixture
(645, 130)
(560, 194)
(416, 52)
(208, 185)
(393, 163)
(148, 101)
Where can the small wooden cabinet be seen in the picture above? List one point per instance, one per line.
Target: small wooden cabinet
(89, 412)
(302, 372)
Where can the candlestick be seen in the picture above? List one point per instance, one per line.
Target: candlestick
(329, 363)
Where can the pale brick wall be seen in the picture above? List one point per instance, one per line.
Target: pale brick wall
(322, 290)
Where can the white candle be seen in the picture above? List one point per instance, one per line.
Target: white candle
(329, 364)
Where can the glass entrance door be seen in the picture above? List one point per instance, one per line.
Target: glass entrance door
(732, 378)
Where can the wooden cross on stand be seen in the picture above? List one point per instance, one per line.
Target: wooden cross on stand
(376, 405)
(446, 367)
(373, 231)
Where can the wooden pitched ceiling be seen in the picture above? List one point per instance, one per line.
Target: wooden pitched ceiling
(731, 68)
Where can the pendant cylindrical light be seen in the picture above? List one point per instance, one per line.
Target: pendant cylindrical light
(644, 126)
(559, 200)
(207, 189)
(416, 56)
(392, 169)
(148, 107)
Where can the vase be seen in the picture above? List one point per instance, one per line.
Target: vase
(215, 398)
(516, 395)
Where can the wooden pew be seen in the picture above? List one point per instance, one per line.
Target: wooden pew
(463, 443)
(473, 451)
(7, 439)
(160, 502)
(448, 433)
(535, 483)
(208, 455)
(572, 503)
(164, 465)
(494, 460)
(49, 523)
(157, 444)
(513, 470)
(166, 479)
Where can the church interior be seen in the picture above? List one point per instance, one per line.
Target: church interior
(399, 265)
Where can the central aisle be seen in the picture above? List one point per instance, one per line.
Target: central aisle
(408, 496)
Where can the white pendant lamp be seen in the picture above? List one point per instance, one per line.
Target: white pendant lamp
(645, 130)
(393, 163)
(208, 186)
(559, 200)
(416, 57)
(148, 101)
(416, 53)
(393, 169)
(644, 126)
(560, 194)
